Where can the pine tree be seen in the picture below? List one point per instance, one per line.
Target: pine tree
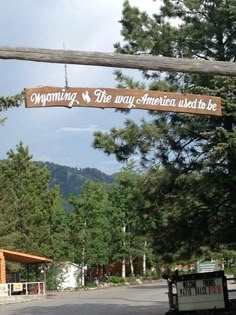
(28, 208)
(192, 197)
(10, 102)
(7, 223)
(61, 247)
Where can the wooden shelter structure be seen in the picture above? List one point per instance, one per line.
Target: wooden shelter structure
(8, 255)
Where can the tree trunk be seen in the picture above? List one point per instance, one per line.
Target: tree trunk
(82, 267)
(144, 258)
(123, 261)
(131, 266)
(123, 269)
(83, 259)
(97, 274)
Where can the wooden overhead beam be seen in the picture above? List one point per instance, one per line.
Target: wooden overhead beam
(141, 62)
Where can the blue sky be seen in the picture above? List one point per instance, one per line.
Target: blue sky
(57, 134)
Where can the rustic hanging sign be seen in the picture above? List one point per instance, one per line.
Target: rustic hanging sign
(48, 96)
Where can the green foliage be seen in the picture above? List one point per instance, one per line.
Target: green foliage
(152, 275)
(33, 218)
(189, 185)
(89, 225)
(187, 191)
(11, 101)
(115, 280)
(127, 204)
(54, 277)
(27, 207)
(2, 121)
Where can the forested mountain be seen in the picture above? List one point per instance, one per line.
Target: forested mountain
(71, 179)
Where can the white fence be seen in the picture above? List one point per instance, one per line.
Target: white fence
(25, 288)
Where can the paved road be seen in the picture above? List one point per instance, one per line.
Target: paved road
(148, 299)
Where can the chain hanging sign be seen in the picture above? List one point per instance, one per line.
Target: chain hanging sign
(48, 96)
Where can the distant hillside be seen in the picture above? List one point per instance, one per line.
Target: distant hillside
(71, 179)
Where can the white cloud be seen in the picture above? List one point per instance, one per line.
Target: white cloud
(88, 129)
(149, 6)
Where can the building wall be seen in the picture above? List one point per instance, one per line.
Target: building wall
(69, 276)
(2, 268)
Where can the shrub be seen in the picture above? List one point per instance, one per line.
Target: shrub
(151, 275)
(54, 277)
(115, 280)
